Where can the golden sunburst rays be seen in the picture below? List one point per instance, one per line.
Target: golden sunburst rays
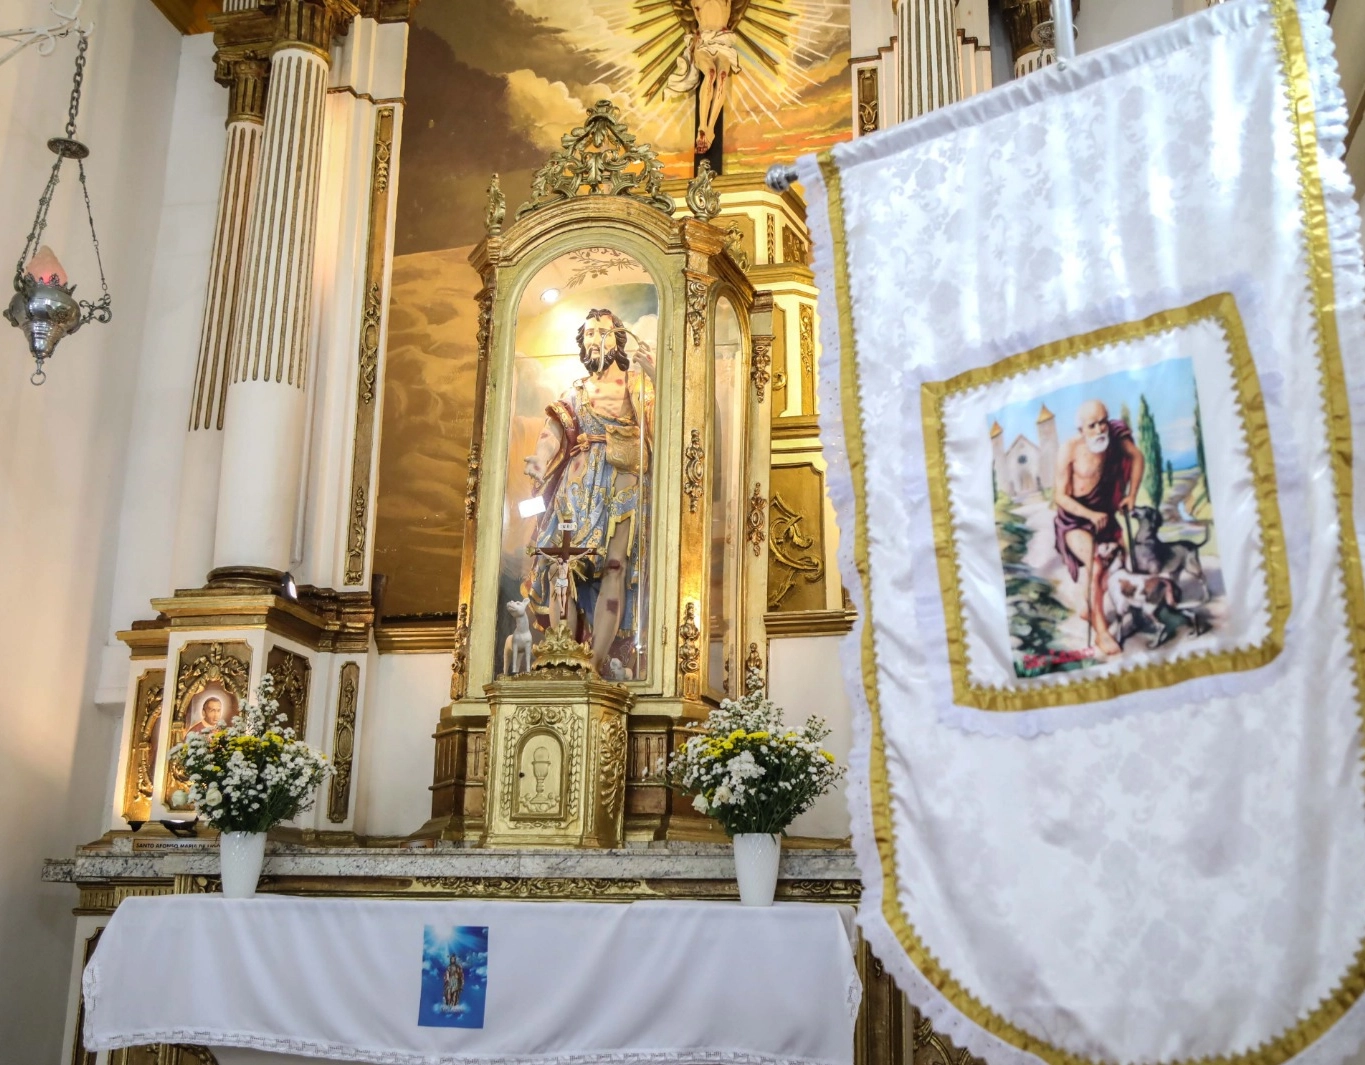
(778, 42)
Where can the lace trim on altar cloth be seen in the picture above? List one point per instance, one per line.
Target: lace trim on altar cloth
(312, 1048)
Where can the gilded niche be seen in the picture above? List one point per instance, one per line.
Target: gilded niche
(796, 540)
(291, 673)
(212, 680)
(142, 746)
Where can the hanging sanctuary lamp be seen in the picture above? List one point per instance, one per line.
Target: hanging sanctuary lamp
(43, 305)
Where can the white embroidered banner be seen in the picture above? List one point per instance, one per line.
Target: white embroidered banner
(1093, 360)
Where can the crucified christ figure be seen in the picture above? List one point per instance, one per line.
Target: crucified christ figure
(710, 61)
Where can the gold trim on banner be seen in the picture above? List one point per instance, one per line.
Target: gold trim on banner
(1348, 989)
(1221, 309)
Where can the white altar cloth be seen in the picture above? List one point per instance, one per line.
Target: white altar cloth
(537, 982)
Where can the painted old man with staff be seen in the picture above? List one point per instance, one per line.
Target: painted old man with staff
(1098, 473)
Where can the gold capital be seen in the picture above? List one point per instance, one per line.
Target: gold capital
(311, 23)
(245, 74)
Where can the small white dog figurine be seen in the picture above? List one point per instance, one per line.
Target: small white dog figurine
(516, 650)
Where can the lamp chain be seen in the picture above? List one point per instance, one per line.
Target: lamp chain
(100, 310)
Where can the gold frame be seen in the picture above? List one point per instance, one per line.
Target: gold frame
(1220, 308)
(679, 255)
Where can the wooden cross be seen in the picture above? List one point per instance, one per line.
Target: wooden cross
(564, 553)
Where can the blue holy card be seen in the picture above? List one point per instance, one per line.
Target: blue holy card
(454, 976)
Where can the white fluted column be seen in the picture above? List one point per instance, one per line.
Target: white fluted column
(264, 418)
(198, 509)
(928, 48)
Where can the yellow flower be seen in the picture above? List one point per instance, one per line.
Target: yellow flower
(758, 735)
(827, 756)
(728, 745)
(738, 734)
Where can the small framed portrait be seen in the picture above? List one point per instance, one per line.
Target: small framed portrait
(211, 709)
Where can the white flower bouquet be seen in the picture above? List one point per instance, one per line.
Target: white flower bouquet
(749, 771)
(251, 774)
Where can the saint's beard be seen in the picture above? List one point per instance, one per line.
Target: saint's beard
(1098, 444)
(596, 363)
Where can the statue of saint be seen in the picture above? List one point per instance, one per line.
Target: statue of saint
(591, 466)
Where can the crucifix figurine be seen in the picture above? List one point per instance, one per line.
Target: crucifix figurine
(562, 590)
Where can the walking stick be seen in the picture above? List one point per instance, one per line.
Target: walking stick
(1128, 541)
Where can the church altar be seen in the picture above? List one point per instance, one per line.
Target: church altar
(454, 981)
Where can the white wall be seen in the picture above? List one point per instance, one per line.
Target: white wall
(402, 710)
(1103, 22)
(804, 679)
(63, 449)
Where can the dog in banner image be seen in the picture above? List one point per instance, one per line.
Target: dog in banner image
(1105, 527)
(1142, 601)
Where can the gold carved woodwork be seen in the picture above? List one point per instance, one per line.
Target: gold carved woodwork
(600, 158)
(371, 331)
(809, 622)
(587, 889)
(702, 198)
(868, 100)
(793, 247)
(1023, 20)
(929, 1047)
(696, 310)
(161, 1054)
(138, 776)
(459, 666)
(557, 757)
(694, 471)
(369, 342)
(772, 239)
(807, 333)
(246, 74)
(471, 488)
(611, 786)
(311, 24)
(760, 363)
(689, 653)
(202, 664)
(779, 357)
(343, 744)
(753, 671)
(796, 539)
(484, 337)
(497, 208)
(754, 523)
(559, 654)
(291, 673)
(734, 242)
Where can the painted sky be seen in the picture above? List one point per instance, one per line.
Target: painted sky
(492, 85)
(1168, 385)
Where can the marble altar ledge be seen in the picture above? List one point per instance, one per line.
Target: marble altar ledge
(127, 858)
(453, 982)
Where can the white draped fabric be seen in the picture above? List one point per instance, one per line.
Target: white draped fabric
(540, 983)
(1074, 852)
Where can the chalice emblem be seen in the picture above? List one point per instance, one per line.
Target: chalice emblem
(540, 769)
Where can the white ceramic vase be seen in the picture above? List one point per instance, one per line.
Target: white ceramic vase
(756, 855)
(241, 855)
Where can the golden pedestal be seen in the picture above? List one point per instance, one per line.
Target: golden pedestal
(557, 753)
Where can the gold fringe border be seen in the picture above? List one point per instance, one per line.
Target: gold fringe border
(1222, 309)
(1293, 1041)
